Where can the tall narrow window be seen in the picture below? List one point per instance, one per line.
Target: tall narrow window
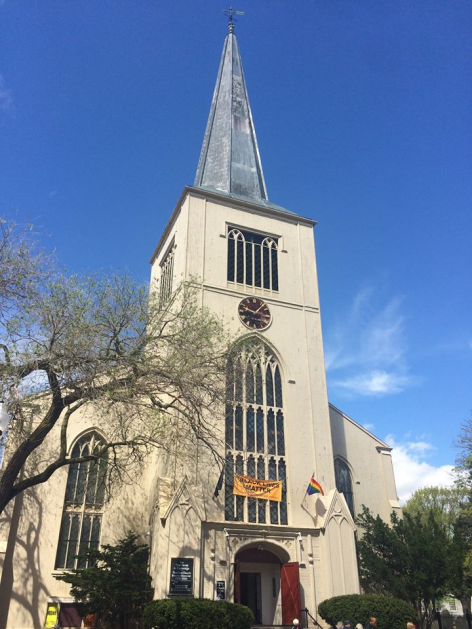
(255, 440)
(83, 505)
(252, 259)
(344, 483)
(167, 274)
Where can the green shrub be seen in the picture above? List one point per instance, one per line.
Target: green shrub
(391, 613)
(196, 613)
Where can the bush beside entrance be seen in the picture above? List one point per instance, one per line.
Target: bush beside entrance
(391, 613)
(196, 613)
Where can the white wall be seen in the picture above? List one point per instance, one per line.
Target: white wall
(370, 462)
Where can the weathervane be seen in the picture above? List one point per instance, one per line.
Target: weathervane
(230, 12)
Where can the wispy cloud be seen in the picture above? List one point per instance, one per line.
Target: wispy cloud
(450, 346)
(367, 348)
(374, 383)
(6, 99)
(412, 468)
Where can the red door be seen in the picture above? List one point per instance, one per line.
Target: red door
(290, 585)
(69, 616)
(237, 582)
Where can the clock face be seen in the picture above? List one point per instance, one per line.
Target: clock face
(254, 313)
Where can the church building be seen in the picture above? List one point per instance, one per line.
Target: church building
(257, 271)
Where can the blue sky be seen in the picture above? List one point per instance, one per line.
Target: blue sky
(363, 117)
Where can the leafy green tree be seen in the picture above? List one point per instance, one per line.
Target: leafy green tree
(460, 558)
(450, 509)
(408, 560)
(461, 582)
(443, 503)
(149, 366)
(464, 459)
(116, 586)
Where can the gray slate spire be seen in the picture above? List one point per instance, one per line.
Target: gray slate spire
(230, 161)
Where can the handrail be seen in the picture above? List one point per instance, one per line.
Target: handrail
(307, 613)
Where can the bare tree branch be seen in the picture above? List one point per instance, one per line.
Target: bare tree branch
(148, 370)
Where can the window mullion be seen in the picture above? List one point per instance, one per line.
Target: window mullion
(261, 265)
(233, 444)
(235, 277)
(264, 367)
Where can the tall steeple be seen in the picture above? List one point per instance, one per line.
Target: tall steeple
(230, 161)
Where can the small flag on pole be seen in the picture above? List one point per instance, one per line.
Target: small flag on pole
(219, 484)
(314, 487)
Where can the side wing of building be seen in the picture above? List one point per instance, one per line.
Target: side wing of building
(363, 467)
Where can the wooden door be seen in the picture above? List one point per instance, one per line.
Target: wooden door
(290, 586)
(237, 582)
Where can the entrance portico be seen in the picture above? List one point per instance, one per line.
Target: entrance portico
(267, 583)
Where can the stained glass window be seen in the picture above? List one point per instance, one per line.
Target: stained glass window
(83, 504)
(342, 475)
(255, 425)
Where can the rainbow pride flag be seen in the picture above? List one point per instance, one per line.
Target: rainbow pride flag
(314, 487)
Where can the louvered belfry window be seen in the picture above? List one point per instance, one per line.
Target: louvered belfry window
(83, 505)
(255, 441)
(252, 259)
(167, 276)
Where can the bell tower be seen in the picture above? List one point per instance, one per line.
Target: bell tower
(257, 265)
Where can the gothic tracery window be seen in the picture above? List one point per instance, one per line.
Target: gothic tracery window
(83, 505)
(343, 478)
(252, 259)
(255, 440)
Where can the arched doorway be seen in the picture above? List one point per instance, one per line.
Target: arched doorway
(268, 584)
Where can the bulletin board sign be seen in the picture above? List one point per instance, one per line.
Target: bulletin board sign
(220, 590)
(181, 576)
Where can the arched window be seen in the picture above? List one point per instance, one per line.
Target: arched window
(255, 440)
(252, 259)
(342, 475)
(83, 504)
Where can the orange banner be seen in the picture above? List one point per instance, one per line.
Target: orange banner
(255, 488)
